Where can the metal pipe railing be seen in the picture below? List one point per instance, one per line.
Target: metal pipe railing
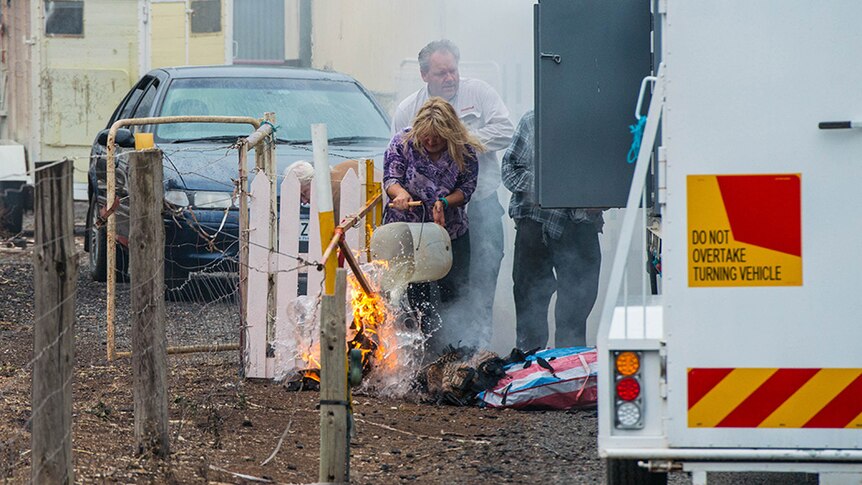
(110, 175)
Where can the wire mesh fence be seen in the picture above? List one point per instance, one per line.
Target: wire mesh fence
(202, 302)
(207, 312)
(201, 311)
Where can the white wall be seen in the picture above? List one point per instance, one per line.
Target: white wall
(371, 39)
(377, 42)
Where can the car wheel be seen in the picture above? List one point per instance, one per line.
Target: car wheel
(627, 472)
(98, 244)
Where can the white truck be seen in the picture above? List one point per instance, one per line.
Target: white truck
(747, 358)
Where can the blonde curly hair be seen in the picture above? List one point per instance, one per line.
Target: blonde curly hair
(438, 117)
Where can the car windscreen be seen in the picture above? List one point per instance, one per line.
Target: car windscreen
(297, 103)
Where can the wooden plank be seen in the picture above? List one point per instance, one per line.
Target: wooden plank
(55, 282)
(288, 244)
(334, 453)
(258, 263)
(147, 309)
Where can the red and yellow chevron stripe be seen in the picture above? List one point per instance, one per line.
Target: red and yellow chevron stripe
(774, 398)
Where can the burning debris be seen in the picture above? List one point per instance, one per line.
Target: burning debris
(369, 315)
(459, 374)
(296, 345)
(390, 344)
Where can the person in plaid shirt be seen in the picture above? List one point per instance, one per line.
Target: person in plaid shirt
(565, 241)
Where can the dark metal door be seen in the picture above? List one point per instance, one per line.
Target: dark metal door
(591, 56)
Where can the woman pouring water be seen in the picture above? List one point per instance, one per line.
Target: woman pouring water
(434, 162)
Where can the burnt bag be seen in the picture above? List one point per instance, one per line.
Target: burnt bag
(562, 378)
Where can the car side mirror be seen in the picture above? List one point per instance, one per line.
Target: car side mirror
(124, 138)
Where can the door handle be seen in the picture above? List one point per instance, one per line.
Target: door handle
(554, 57)
(644, 82)
(839, 125)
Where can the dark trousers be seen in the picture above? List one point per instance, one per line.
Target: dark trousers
(436, 303)
(486, 226)
(576, 257)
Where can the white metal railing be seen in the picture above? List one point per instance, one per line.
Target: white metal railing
(635, 310)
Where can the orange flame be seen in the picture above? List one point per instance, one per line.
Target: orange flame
(364, 333)
(312, 371)
(369, 315)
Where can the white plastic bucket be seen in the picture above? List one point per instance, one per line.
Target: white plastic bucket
(414, 252)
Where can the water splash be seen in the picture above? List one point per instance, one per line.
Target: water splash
(399, 339)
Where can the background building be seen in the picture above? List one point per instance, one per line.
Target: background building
(65, 64)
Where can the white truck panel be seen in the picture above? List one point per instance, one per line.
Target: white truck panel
(747, 84)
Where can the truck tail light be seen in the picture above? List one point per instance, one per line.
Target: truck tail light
(628, 415)
(628, 389)
(628, 401)
(628, 363)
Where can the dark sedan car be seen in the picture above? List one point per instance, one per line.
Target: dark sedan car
(201, 217)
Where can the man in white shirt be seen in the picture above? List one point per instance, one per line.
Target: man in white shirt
(482, 110)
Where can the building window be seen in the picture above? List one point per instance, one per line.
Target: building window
(64, 17)
(206, 16)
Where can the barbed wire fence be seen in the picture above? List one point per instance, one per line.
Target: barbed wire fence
(202, 312)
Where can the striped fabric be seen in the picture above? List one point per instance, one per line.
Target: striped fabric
(571, 384)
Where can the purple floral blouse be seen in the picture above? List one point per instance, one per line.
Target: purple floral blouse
(427, 180)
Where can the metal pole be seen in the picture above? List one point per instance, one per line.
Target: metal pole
(192, 349)
(110, 175)
(243, 248)
(368, 185)
(270, 167)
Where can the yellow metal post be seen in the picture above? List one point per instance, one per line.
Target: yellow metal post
(378, 212)
(369, 195)
(327, 226)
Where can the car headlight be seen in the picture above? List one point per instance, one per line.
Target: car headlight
(212, 200)
(177, 198)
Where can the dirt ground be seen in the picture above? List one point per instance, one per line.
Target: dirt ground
(223, 428)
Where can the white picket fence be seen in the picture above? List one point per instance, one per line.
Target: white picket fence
(262, 262)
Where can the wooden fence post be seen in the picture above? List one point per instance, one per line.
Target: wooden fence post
(243, 252)
(149, 342)
(334, 454)
(55, 282)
